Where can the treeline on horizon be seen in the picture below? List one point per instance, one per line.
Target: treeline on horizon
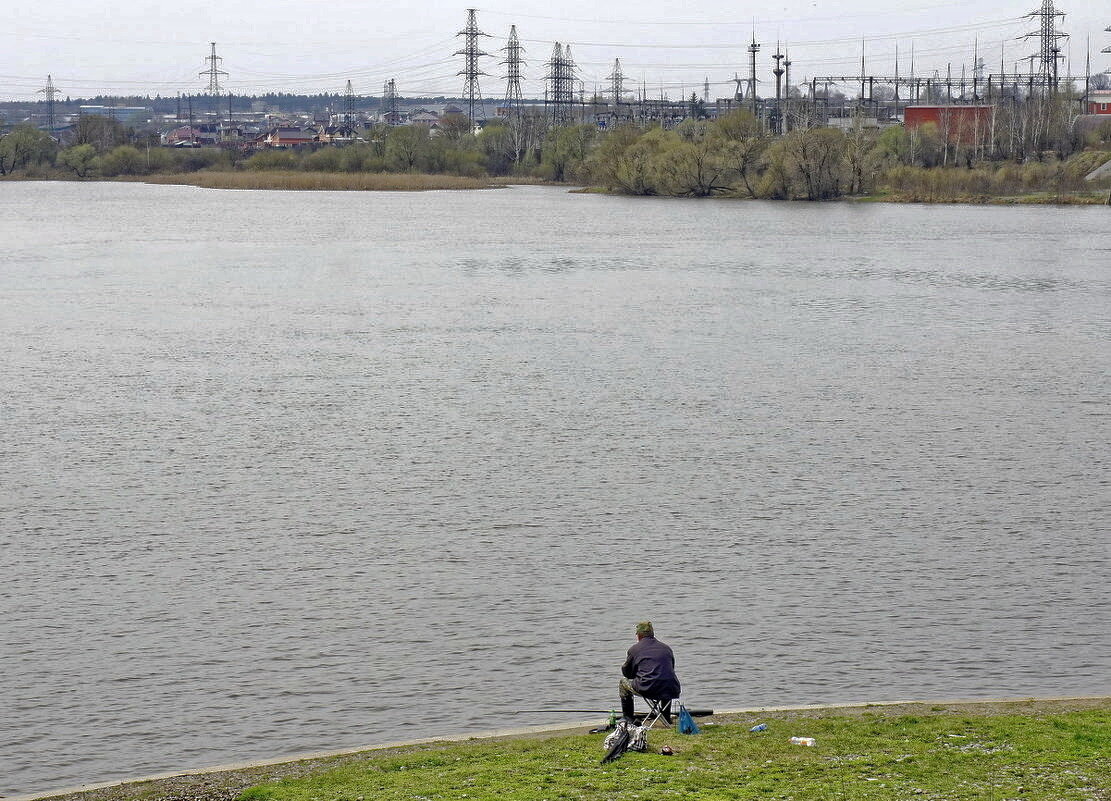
(202, 102)
(732, 156)
(315, 101)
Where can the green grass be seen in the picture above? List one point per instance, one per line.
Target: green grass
(867, 755)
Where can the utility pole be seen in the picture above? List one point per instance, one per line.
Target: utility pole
(862, 73)
(471, 53)
(50, 91)
(896, 78)
(213, 72)
(777, 125)
(914, 83)
(753, 49)
(787, 88)
(1087, 75)
(977, 71)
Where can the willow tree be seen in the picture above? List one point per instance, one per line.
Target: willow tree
(23, 147)
(810, 163)
(743, 143)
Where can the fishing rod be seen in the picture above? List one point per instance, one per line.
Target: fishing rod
(697, 713)
(549, 711)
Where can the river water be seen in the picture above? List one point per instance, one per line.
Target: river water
(291, 471)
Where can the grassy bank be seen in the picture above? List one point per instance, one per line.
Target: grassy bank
(1031, 750)
(336, 181)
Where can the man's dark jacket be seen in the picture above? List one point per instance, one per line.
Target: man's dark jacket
(650, 666)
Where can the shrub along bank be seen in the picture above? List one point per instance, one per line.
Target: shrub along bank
(731, 156)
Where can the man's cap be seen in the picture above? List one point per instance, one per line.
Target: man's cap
(644, 627)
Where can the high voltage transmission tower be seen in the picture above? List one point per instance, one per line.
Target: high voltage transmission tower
(349, 109)
(471, 53)
(213, 72)
(389, 103)
(617, 82)
(1049, 52)
(1108, 48)
(513, 62)
(561, 86)
(50, 91)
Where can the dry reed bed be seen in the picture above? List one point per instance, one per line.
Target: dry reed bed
(1033, 199)
(382, 182)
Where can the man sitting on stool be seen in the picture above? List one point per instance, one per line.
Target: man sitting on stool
(649, 671)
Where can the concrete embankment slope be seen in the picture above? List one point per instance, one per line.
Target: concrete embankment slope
(1102, 171)
(226, 782)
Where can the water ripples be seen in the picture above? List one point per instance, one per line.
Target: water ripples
(260, 497)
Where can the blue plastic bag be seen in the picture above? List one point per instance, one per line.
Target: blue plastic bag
(686, 722)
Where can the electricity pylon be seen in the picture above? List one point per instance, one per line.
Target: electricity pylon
(50, 91)
(471, 53)
(513, 62)
(213, 72)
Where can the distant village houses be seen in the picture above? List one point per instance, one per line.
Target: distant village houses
(282, 137)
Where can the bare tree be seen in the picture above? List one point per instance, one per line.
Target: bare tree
(858, 146)
(743, 145)
(813, 161)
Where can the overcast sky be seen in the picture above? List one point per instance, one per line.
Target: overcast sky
(158, 47)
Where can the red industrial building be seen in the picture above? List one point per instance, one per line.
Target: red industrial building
(961, 125)
(1099, 101)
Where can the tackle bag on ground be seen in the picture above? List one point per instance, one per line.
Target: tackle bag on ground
(686, 722)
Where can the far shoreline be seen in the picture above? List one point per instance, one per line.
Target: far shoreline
(393, 182)
(427, 182)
